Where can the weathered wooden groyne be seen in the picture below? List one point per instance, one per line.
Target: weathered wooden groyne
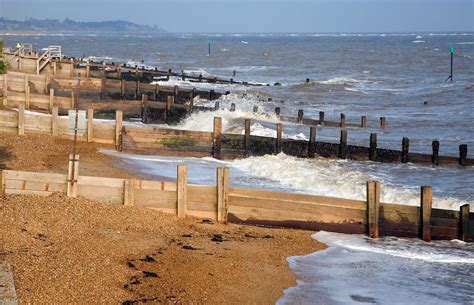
(53, 61)
(156, 103)
(224, 204)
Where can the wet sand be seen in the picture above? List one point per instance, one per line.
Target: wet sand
(65, 250)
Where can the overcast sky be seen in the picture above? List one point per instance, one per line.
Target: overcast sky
(260, 15)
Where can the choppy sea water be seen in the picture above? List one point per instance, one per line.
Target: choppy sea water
(399, 76)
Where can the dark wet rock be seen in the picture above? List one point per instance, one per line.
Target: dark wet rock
(277, 84)
(217, 238)
(131, 265)
(189, 247)
(148, 259)
(149, 274)
(187, 235)
(134, 280)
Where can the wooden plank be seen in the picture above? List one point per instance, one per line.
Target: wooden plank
(302, 198)
(373, 208)
(100, 181)
(27, 192)
(217, 138)
(101, 193)
(36, 185)
(182, 196)
(465, 223)
(54, 122)
(90, 125)
(118, 128)
(156, 185)
(21, 120)
(266, 209)
(31, 176)
(156, 198)
(72, 177)
(425, 213)
(129, 192)
(225, 195)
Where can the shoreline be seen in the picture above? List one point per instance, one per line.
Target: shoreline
(194, 261)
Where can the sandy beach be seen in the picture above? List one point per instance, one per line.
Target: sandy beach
(65, 250)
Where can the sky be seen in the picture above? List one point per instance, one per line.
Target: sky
(260, 15)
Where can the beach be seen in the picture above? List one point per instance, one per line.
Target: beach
(75, 250)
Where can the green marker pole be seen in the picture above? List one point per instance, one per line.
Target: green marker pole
(209, 48)
(451, 50)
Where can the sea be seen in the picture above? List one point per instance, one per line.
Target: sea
(400, 76)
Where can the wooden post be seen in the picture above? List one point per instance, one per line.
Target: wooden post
(462, 154)
(103, 85)
(122, 88)
(90, 125)
(54, 68)
(373, 208)
(217, 136)
(21, 119)
(118, 128)
(182, 190)
(169, 105)
(321, 118)
(425, 213)
(382, 122)
(5, 89)
(300, 116)
(51, 100)
(405, 146)
(232, 107)
(464, 234)
(26, 82)
(222, 194)
(119, 72)
(247, 138)
(277, 111)
(342, 123)
(137, 87)
(279, 132)
(176, 93)
(72, 175)
(343, 145)
(312, 142)
(54, 121)
(73, 100)
(435, 155)
(27, 97)
(373, 147)
(363, 121)
(129, 192)
(88, 69)
(216, 106)
(144, 109)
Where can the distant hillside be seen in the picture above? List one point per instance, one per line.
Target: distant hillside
(71, 26)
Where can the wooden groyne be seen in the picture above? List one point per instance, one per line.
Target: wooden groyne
(156, 103)
(231, 146)
(224, 203)
(52, 61)
(165, 141)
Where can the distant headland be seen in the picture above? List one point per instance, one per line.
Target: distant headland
(70, 26)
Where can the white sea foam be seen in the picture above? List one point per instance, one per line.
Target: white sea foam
(466, 42)
(345, 80)
(386, 270)
(418, 41)
(337, 178)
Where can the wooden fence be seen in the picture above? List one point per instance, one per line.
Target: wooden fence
(251, 206)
